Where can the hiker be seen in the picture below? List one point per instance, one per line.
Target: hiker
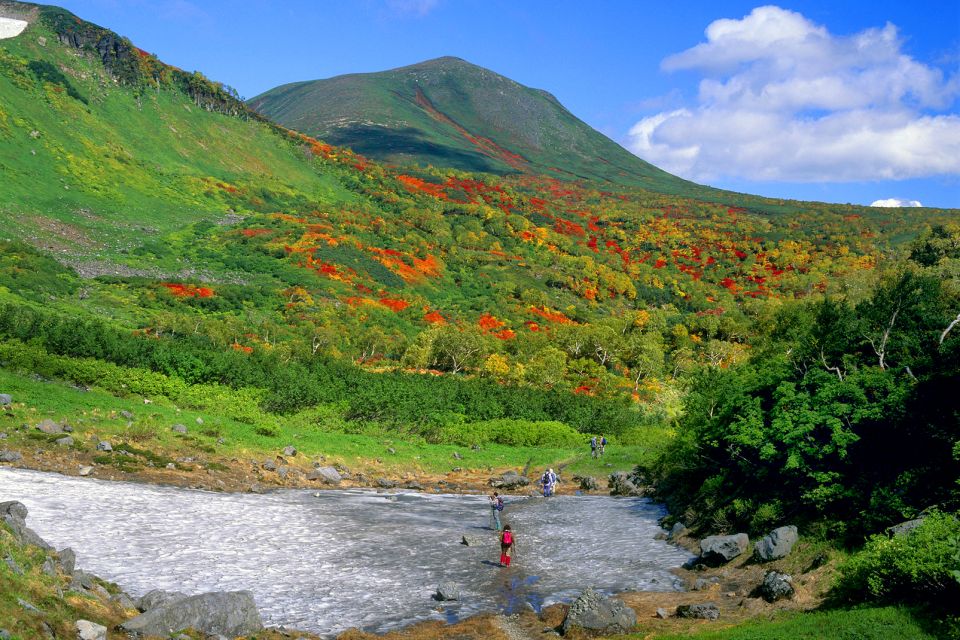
(506, 546)
(549, 481)
(603, 444)
(496, 506)
(593, 446)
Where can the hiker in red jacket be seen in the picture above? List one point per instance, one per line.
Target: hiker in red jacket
(506, 545)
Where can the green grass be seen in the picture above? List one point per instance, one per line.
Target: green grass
(150, 439)
(883, 623)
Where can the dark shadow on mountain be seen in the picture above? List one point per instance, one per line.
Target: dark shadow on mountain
(383, 143)
(46, 72)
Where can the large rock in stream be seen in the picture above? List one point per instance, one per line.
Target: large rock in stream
(595, 612)
(228, 614)
(509, 480)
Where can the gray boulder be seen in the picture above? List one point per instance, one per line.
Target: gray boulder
(447, 591)
(67, 560)
(153, 599)
(87, 630)
(14, 514)
(717, 550)
(226, 613)
(290, 451)
(776, 544)
(587, 483)
(65, 441)
(85, 470)
(776, 586)
(662, 613)
(82, 581)
(179, 428)
(269, 465)
(10, 456)
(6, 399)
(50, 427)
(12, 564)
(509, 480)
(385, 483)
(676, 531)
(904, 528)
(595, 612)
(705, 611)
(621, 484)
(103, 445)
(327, 475)
(128, 415)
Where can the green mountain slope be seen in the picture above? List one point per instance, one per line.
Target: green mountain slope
(450, 113)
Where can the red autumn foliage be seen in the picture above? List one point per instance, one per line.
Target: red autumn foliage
(394, 304)
(188, 291)
(488, 322)
(552, 316)
(434, 317)
(505, 334)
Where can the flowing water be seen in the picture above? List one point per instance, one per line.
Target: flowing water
(328, 561)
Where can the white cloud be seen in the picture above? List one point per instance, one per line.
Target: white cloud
(783, 99)
(895, 202)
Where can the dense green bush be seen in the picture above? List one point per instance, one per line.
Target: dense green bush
(919, 567)
(515, 433)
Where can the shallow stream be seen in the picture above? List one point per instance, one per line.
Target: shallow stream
(328, 561)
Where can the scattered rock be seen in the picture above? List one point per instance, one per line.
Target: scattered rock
(413, 485)
(226, 613)
(50, 427)
(327, 475)
(49, 567)
(67, 560)
(87, 630)
(199, 420)
(776, 586)
(103, 445)
(269, 465)
(15, 515)
(660, 535)
(65, 441)
(157, 597)
(5, 635)
(6, 399)
(289, 451)
(13, 565)
(594, 612)
(509, 480)
(82, 581)
(179, 428)
(662, 613)
(457, 456)
(678, 529)
(10, 456)
(171, 465)
(85, 470)
(127, 415)
(447, 591)
(385, 483)
(776, 544)
(475, 541)
(391, 450)
(705, 584)
(621, 484)
(704, 611)
(904, 528)
(717, 550)
(587, 483)
(26, 606)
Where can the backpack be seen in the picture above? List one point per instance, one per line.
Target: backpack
(507, 537)
(499, 504)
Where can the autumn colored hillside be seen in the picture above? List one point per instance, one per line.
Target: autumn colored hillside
(150, 198)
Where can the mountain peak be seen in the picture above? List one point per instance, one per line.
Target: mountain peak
(450, 112)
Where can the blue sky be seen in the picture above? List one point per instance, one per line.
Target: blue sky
(851, 101)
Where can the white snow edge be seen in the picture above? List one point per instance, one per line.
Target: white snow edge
(11, 28)
(895, 202)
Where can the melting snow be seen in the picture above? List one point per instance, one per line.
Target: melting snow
(11, 28)
(346, 558)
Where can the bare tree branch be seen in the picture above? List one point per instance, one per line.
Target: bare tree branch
(949, 327)
(835, 370)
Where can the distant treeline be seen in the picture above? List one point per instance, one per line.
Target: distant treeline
(422, 402)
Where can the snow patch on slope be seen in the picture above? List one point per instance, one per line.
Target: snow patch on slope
(11, 27)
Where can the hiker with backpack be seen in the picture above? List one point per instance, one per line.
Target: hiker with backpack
(603, 445)
(496, 506)
(593, 446)
(548, 480)
(506, 546)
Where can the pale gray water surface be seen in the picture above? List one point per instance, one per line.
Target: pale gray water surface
(346, 558)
